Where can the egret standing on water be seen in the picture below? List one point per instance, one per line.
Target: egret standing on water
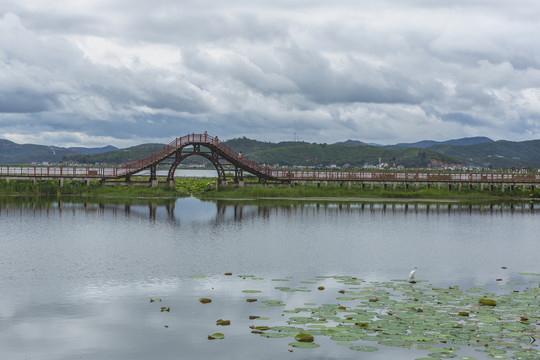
(411, 274)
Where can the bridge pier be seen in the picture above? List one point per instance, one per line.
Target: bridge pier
(154, 183)
(61, 182)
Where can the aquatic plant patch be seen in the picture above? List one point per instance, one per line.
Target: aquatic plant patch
(371, 316)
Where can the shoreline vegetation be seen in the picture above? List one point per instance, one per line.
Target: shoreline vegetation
(205, 188)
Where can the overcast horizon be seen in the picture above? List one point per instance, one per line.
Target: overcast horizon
(124, 73)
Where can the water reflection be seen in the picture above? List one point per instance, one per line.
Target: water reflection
(175, 210)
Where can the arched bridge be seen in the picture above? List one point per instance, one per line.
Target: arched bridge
(210, 147)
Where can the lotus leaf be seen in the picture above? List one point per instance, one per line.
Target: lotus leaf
(304, 338)
(364, 348)
(487, 302)
(304, 345)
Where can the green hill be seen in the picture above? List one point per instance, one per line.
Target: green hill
(499, 154)
(324, 155)
(495, 154)
(116, 156)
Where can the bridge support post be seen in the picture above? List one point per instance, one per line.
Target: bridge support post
(371, 186)
(34, 181)
(459, 187)
(87, 182)
(61, 182)
(438, 186)
(481, 187)
(502, 187)
(171, 183)
(154, 183)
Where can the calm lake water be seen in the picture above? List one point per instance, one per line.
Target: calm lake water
(77, 277)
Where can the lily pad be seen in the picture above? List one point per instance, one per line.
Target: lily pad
(222, 322)
(304, 345)
(364, 348)
(304, 338)
(216, 336)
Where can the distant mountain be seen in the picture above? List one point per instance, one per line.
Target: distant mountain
(116, 156)
(455, 142)
(476, 151)
(94, 150)
(351, 143)
(306, 154)
(12, 153)
(498, 154)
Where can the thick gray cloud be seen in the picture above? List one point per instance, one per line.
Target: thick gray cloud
(127, 72)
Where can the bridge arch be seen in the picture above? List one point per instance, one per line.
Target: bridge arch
(214, 159)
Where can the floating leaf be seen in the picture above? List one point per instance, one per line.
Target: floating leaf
(273, 302)
(205, 300)
(364, 348)
(251, 291)
(167, 309)
(275, 335)
(197, 276)
(216, 336)
(228, 274)
(155, 299)
(251, 300)
(487, 302)
(304, 345)
(222, 322)
(320, 288)
(304, 338)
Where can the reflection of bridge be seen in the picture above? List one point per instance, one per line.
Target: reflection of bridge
(223, 157)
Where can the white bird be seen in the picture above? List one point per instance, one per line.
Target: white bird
(411, 274)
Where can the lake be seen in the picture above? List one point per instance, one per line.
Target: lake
(77, 277)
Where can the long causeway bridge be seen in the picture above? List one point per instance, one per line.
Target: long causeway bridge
(224, 158)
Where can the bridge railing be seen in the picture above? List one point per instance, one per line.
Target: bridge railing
(404, 176)
(57, 171)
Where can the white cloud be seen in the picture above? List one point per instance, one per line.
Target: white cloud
(381, 71)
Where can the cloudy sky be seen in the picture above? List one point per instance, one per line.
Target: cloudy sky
(125, 72)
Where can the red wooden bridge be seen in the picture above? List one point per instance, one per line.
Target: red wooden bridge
(223, 157)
